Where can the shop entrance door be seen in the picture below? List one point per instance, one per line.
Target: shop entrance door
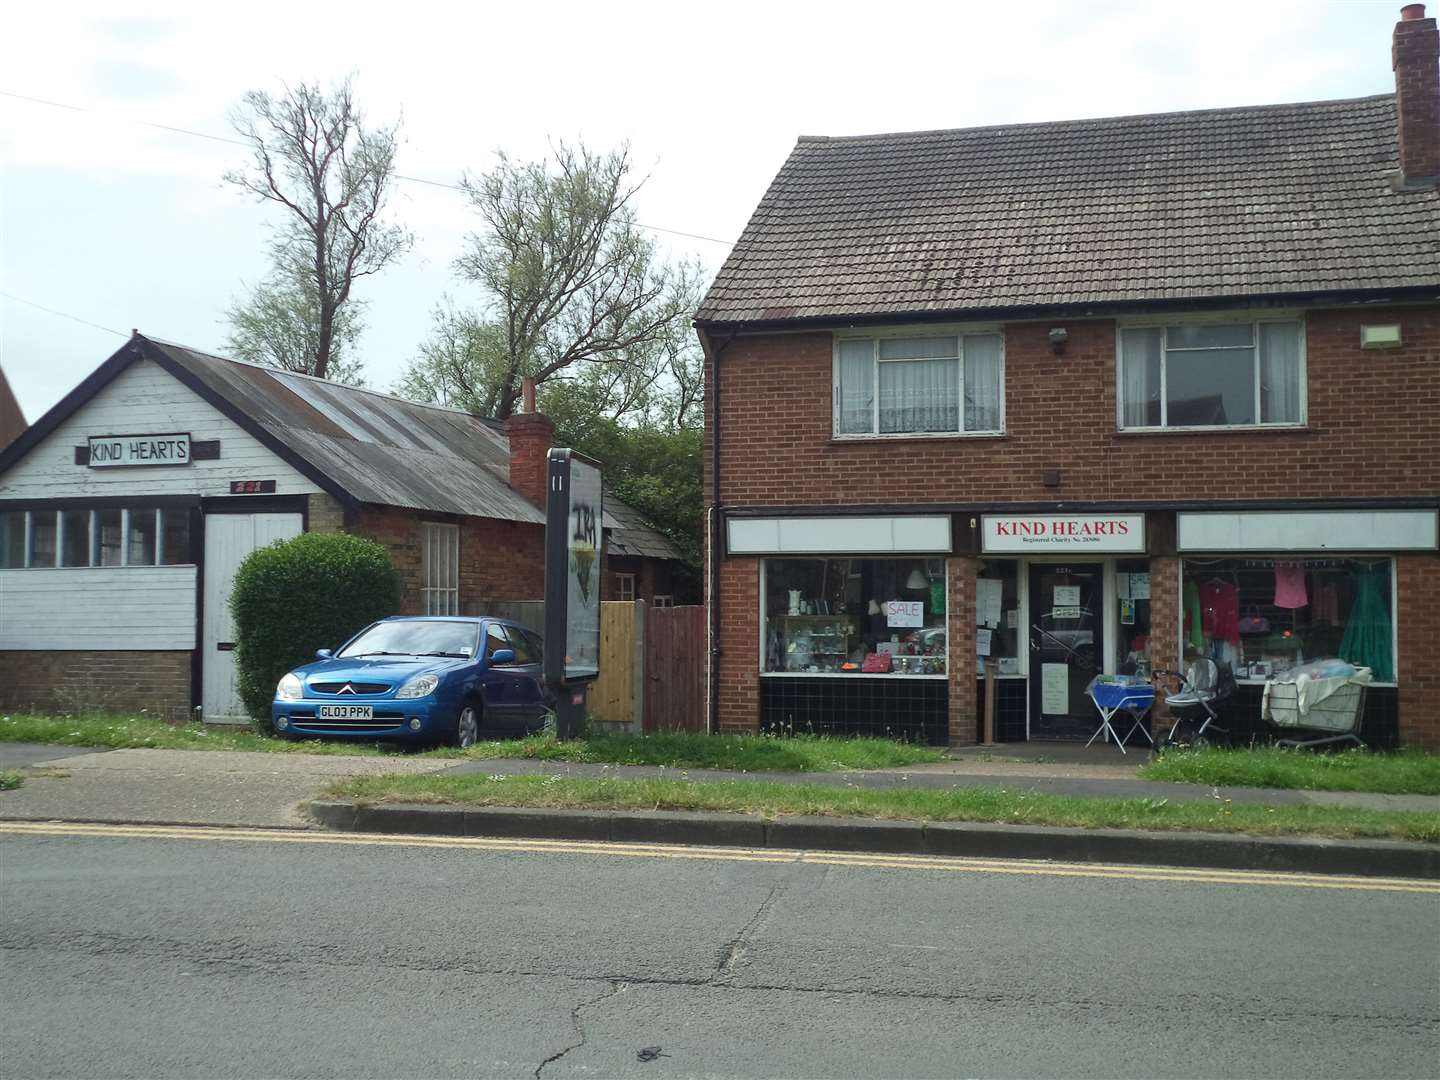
(1066, 639)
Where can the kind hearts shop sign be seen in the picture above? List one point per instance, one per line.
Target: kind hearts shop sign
(1039, 533)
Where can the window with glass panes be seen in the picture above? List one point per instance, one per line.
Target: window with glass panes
(440, 568)
(931, 385)
(81, 537)
(1212, 375)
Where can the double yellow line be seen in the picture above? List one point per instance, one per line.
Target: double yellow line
(931, 863)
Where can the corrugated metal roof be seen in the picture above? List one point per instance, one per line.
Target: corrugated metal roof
(391, 452)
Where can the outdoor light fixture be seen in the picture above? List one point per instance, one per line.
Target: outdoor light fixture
(1380, 337)
(1058, 337)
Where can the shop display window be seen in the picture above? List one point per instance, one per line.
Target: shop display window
(140, 527)
(175, 537)
(1132, 599)
(1265, 615)
(998, 620)
(854, 616)
(108, 536)
(43, 539)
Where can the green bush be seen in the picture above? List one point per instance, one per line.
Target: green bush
(295, 596)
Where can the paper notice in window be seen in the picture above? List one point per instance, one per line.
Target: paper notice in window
(988, 593)
(1139, 586)
(904, 613)
(1122, 586)
(982, 642)
(1055, 689)
(1067, 596)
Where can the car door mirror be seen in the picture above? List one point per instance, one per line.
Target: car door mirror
(324, 654)
(502, 656)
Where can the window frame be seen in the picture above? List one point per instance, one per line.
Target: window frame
(623, 579)
(1255, 320)
(92, 541)
(663, 600)
(429, 592)
(876, 334)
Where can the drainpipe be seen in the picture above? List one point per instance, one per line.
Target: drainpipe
(713, 521)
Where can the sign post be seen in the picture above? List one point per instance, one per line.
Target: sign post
(574, 543)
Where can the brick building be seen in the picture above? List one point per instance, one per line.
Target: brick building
(1083, 397)
(126, 509)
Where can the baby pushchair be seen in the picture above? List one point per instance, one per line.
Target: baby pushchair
(1195, 707)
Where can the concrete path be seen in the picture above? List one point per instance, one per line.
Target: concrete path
(193, 787)
(256, 789)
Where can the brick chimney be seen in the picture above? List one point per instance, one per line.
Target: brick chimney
(1415, 54)
(531, 435)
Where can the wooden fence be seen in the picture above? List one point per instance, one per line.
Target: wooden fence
(652, 662)
(674, 669)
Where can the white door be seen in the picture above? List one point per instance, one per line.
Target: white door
(228, 539)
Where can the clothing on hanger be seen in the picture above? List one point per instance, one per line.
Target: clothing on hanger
(1290, 586)
(1220, 610)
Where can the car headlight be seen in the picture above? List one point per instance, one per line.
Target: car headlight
(419, 686)
(289, 688)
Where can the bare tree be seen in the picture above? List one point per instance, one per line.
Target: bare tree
(566, 278)
(313, 155)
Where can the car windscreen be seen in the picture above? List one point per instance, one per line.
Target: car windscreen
(417, 638)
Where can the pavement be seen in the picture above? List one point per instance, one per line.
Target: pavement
(237, 788)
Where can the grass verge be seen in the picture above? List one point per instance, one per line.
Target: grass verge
(10, 779)
(954, 804)
(1404, 772)
(744, 753)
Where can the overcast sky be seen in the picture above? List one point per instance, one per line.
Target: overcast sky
(122, 225)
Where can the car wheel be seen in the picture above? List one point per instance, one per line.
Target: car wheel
(467, 728)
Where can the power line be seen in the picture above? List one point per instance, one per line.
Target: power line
(62, 314)
(239, 142)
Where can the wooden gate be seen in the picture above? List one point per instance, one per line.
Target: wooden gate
(674, 669)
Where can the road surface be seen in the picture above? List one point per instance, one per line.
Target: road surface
(232, 953)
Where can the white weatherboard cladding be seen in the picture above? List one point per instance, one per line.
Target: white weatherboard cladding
(1310, 530)
(838, 535)
(143, 399)
(228, 539)
(109, 607)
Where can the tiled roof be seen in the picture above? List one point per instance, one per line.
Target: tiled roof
(1263, 201)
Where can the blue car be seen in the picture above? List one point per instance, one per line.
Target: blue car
(430, 680)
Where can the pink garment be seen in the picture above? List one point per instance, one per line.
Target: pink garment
(1290, 586)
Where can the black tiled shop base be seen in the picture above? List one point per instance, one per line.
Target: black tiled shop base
(1010, 695)
(913, 710)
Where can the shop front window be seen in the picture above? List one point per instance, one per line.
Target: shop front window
(854, 616)
(1265, 615)
(1132, 598)
(997, 616)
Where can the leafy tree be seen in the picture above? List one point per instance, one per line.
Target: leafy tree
(314, 591)
(279, 324)
(314, 156)
(570, 288)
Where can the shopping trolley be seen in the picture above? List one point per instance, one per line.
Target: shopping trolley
(1329, 708)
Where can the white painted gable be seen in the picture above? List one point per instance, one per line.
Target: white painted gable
(145, 399)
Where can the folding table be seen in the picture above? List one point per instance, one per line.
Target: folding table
(1114, 694)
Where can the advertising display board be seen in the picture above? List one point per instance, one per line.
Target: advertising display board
(574, 545)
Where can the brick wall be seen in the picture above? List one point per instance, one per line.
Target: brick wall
(324, 514)
(499, 560)
(110, 681)
(1373, 428)
(960, 642)
(1373, 425)
(1418, 630)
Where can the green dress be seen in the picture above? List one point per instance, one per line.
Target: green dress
(1368, 640)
